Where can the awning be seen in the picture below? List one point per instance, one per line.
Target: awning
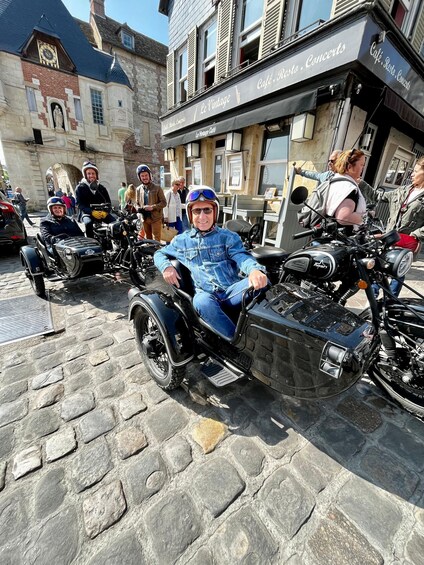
(403, 110)
(255, 114)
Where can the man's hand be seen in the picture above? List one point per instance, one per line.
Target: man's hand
(148, 208)
(171, 276)
(258, 279)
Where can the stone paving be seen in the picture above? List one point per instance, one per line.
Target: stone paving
(98, 465)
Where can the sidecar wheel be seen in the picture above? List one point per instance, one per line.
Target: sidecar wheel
(37, 281)
(151, 345)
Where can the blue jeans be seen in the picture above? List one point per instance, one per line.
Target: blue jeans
(186, 225)
(178, 225)
(395, 287)
(211, 306)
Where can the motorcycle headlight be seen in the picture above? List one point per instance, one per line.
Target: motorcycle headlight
(397, 262)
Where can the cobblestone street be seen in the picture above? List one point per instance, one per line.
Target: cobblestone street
(99, 465)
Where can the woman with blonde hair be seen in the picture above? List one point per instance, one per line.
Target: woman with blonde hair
(345, 201)
(130, 199)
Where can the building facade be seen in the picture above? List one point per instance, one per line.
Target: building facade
(255, 86)
(65, 99)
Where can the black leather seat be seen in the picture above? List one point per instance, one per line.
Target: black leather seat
(186, 283)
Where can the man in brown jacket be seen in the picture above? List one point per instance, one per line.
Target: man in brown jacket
(151, 202)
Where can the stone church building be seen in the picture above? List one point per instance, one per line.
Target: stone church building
(63, 101)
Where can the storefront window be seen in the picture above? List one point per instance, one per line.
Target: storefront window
(397, 172)
(273, 164)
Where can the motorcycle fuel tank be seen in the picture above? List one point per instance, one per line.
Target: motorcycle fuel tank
(323, 262)
(304, 345)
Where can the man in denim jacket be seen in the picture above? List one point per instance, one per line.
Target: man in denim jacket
(214, 256)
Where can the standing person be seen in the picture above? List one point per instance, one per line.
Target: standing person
(151, 202)
(321, 177)
(90, 191)
(73, 203)
(59, 193)
(57, 225)
(406, 215)
(130, 199)
(345, 201)
(20, 200)
(121, 195)
(183, 191)
(68, 204)
(172, 212)
(214, 256)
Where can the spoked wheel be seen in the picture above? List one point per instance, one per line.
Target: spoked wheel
(151, 344)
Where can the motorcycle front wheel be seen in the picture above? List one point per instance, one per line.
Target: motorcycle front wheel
(402, 376)
(151, 345)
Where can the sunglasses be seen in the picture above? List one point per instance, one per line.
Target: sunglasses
(198, 211)
(205, 192)
(331, 160)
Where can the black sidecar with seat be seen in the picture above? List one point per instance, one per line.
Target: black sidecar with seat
(68, 258)
(296, 341)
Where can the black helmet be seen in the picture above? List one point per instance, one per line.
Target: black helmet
(144, 169)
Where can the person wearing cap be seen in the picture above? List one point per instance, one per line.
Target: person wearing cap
(151, 202)
(183, 191)
(215, 256)
(57, 225)
(90, 191)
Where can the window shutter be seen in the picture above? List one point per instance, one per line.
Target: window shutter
(341, 6)
(271, 26)
(170, 72)
(225, 24)
(191, 61)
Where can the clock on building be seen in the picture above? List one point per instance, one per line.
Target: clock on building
(47, 54)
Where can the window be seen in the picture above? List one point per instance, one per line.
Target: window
(97, 106)
(209, 54)
(83, 145)
(146, 134)
(38, 138)
(273, 163)
(32, 102)
(197, 172)
(235, 170)
(396, 173)
(250, 30)
(181, 75)
(127, 40)
(310, 11)
(78, 110)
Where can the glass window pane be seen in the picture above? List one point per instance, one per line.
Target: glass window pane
(210, 41)
(183, 64)
(275, 148)
(252, 11)
(391, 173)
(272, 175)
(97, 107)
(197, 172)
(234, 172)
(311, 11)
(400, 174)
(32, 103)
(78, 109)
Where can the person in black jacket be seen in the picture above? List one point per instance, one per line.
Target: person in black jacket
(57, 225)
(90, 191)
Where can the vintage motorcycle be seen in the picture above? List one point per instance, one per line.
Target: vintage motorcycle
(295, 338)
(114, 247)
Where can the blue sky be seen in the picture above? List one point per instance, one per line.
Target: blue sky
(140, 15)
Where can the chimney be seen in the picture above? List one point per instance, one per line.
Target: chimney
(97, 8)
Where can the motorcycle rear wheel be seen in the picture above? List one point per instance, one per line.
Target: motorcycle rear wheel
(151, 345)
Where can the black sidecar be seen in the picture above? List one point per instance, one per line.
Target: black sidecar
(296, 341)
(69, 258)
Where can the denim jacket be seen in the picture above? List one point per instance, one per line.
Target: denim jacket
(214, 258)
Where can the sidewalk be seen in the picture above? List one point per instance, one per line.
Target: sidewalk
(98, 465)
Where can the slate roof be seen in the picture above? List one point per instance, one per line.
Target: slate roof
(144, 46)
(18, 19)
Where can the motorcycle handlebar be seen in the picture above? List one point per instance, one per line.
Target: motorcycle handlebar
(302, 234)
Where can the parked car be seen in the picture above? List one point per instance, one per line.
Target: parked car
(12, 229)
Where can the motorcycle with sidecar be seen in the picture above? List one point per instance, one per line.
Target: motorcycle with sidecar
(115, 246)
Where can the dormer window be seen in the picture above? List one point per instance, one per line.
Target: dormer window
(127, 40)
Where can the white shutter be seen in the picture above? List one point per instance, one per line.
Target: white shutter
(191, 62)
(170, 73)
(271, 26)
(225, 24)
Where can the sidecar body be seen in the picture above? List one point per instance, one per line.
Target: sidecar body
(69, 258)
(296, 341)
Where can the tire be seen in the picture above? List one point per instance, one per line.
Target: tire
(151, 345)
(388, 375)
(137, 277)
(38, 286)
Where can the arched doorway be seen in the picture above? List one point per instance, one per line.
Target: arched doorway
(63, 176)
